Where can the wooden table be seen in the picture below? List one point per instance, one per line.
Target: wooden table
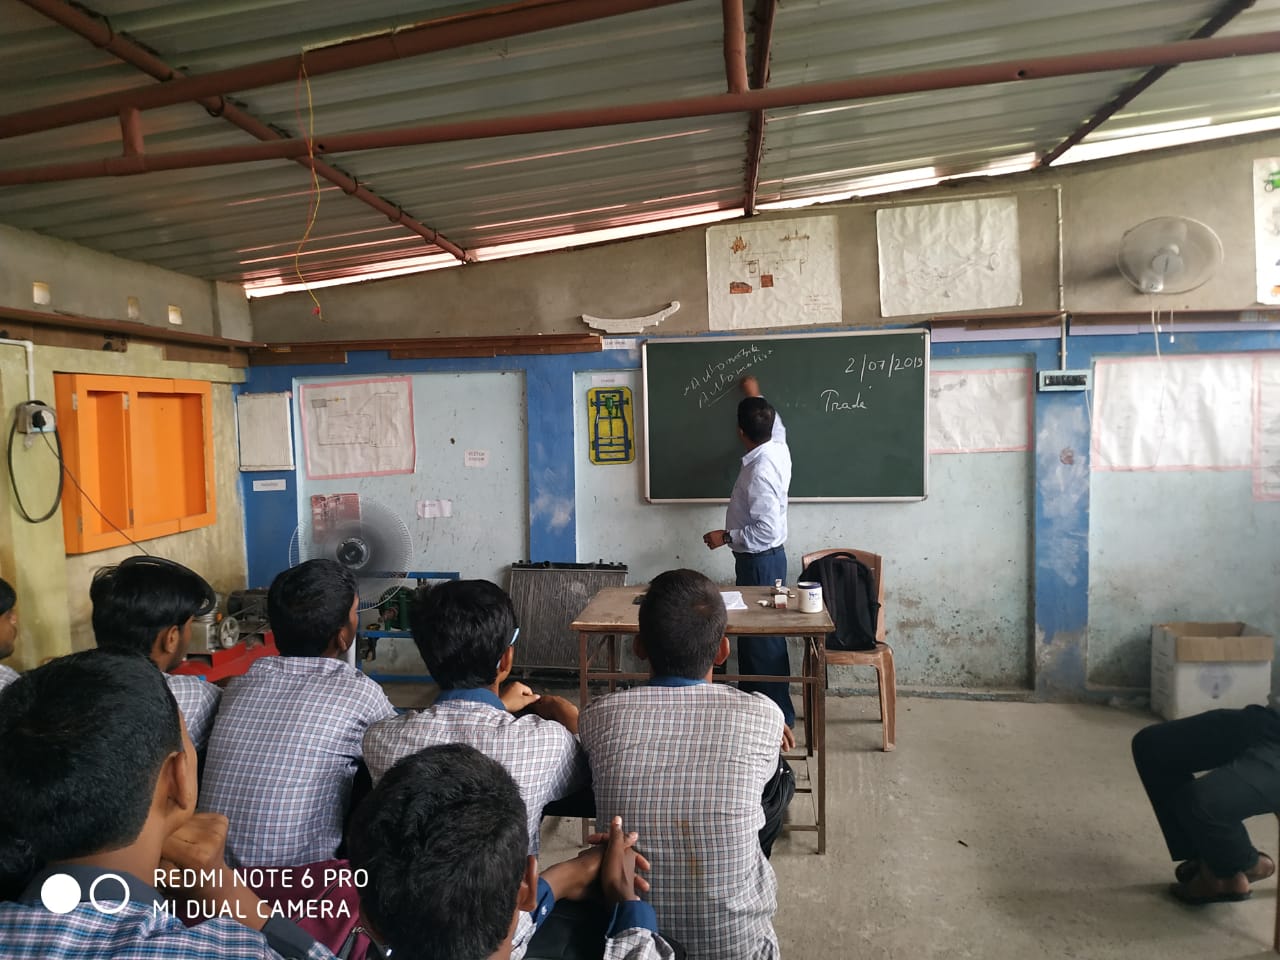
(613, 612)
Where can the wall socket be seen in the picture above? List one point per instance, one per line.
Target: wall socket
(36, 417)
(1048, 380)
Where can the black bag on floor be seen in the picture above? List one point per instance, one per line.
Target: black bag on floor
(849, 592)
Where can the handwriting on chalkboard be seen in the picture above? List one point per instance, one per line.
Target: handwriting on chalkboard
(831, 402)
(888, 366)
(716, 381)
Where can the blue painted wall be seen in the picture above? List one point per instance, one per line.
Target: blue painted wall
(1058, 649)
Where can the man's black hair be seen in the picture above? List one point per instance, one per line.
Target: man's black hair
(682, 620)
(755, 419)
(82, 740)
(8, 597)
(308, 605)
(141, 596)
(462, 628)
(444, 838)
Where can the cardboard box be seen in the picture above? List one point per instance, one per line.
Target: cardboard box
(1208, 666)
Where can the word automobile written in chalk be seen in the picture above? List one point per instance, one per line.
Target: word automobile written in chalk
(714, 383)
(832, 402)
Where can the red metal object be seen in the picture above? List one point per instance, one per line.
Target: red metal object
(230, 663)
(765, 12)
(131, 127)
(735, 46)
(445, 33)
(1183, 51)
(1229, 12)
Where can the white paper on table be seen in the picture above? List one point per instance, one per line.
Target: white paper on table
(1174, 413)
(779, 273)
(1266, 227)
(733, 600)
(944, 257)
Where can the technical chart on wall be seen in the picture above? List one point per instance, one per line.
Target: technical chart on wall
(979, 411)
(780, 273)
(944, 257)
(1266, 225)
(358, 428)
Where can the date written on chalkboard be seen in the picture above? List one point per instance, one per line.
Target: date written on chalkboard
(881, 365)
(713, 383)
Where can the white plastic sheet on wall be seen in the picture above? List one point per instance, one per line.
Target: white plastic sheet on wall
(979, 411)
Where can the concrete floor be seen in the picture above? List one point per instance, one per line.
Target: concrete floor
(996, 830)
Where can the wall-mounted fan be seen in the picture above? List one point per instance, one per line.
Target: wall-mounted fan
(367, 537)
(1169, 255)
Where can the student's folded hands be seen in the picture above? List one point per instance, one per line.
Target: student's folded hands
(516, 696)
(611, 863)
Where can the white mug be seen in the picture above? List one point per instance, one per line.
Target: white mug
(810, 596)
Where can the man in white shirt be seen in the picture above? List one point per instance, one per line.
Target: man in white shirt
(756, 532)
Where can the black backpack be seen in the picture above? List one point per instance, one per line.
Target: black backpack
(849, 592)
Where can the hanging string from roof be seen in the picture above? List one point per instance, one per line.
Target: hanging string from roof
(313, 201)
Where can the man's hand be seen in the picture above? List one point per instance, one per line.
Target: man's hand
(788, 739)
(199, 845)
(619, 880)
(715, 538)
(750, 386)
(516, 696)
(573, 879)
(552, 707)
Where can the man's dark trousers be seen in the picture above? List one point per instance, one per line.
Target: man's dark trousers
(1201, 817)
(765, 655)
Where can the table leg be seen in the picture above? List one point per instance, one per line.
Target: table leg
(583, 665)
(820, 735)
(613, 661)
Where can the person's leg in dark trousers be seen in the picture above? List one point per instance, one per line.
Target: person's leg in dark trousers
(1202, 818)
(765, 655)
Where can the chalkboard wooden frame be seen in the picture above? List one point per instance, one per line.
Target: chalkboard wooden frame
(924, 347)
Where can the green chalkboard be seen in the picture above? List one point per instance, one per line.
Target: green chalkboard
(854, 406)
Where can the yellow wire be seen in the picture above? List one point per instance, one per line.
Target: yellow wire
(315, 191)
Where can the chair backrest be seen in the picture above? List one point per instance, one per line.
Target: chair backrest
(874, 564)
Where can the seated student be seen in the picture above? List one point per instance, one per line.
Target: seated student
(685, 762)
(286, 745)
(443, 838)
(97, 785)
(1202, 817)
(145, 605)
(466, 631)
(8, 631)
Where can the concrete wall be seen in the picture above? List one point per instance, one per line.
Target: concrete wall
(94, 284)
(547, 293)
(52, 587)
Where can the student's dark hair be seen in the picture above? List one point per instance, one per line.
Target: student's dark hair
(8, 597)
(462, 628)
(755, 418)
(682, 620)
(444, 838)
(82, 740)
(308, 604)
(141, 596)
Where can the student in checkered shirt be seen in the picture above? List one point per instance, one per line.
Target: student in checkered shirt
(685, 762)
(443, 838)
(285, 748)
(97, 789)
(145, 605)
(8, 631)
(466, 632)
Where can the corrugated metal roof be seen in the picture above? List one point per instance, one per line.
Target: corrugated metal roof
(245, 221)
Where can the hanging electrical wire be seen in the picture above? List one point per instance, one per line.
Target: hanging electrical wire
(13, 478)
(313, 203)
(76, 483)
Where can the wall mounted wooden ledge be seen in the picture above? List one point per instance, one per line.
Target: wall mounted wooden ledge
(114, 336)
(1012, 321)
(335, 351)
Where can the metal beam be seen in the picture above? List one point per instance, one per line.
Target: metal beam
(89, 27)
(1183, 51)
(735, 46)
(1230, 10)
(763, 16)
(446, 33)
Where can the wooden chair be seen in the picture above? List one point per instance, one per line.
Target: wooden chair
(881, 657)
